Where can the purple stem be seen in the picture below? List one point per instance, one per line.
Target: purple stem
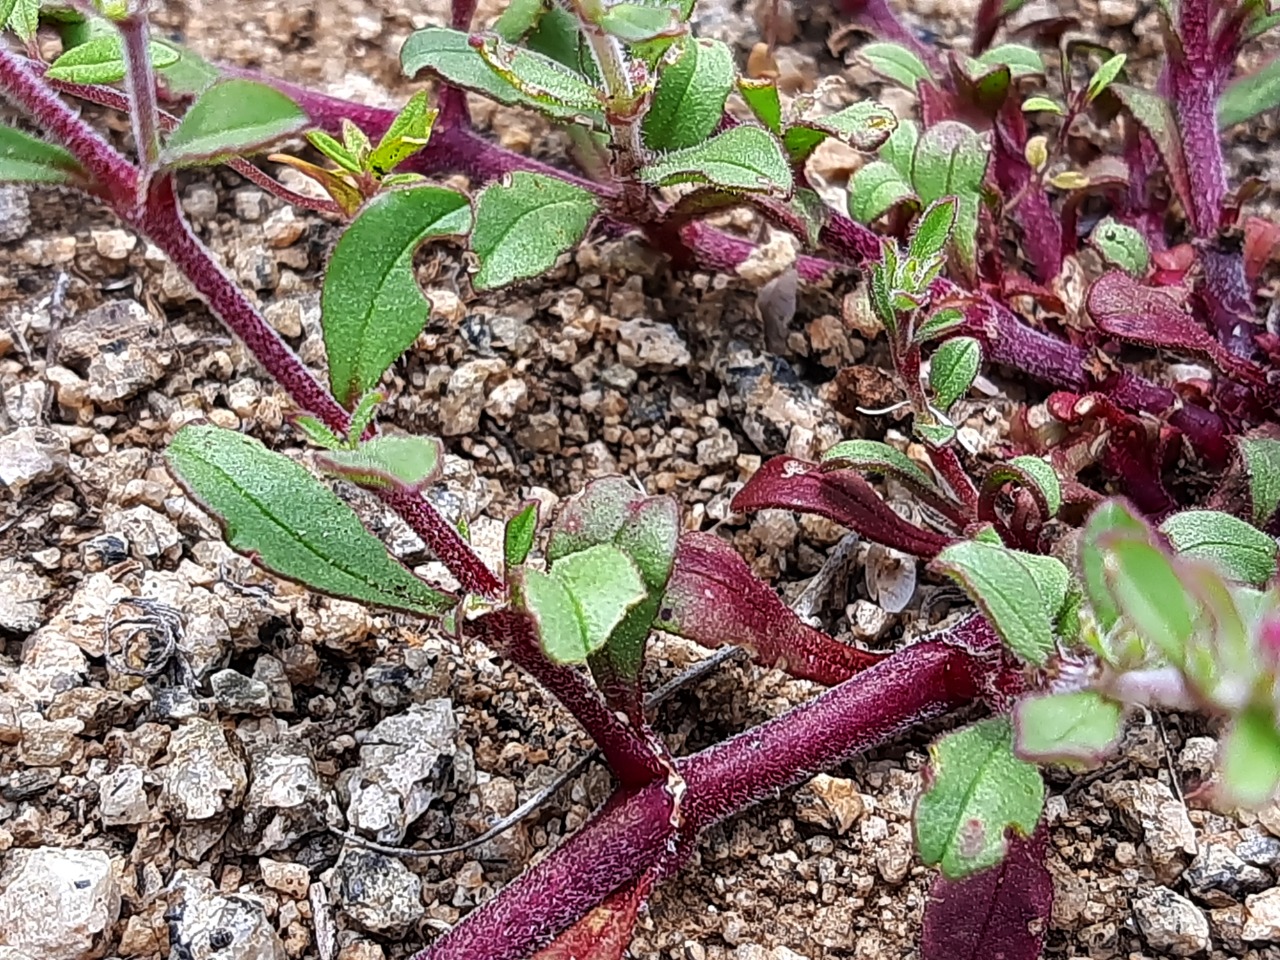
(630, 753)
(637, 832)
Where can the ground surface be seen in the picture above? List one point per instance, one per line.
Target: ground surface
(216, 781)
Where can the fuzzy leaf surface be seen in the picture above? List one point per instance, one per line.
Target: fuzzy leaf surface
(876, 189)
(371, 306)
(979, 792)
(1072, 728)
(101, 60)
(895, 62)
(1251, 758)
(745, 159)
(232, 118)
(27, 159)
(689, 99)
(1248, 96)
(953, 369)
(518, 537)
(385, 462)
(872, 456)
(293, 525)
(525, 222)
(1239, 550)
(1262, 464)
(864, 126)
(1123, 246)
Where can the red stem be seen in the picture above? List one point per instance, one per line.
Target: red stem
(957, 478)
(140, 83)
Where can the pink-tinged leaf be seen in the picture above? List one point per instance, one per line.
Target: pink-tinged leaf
(714, 599)
(1155, 117)
(786, 483)
(1261, 243)
(1041, 229)
(605, 932)
(998, 914)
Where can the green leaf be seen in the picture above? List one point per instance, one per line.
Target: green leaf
(407, 135)
(561, 633)
(317, 432)
(26, 159)
(1104, 77)
(1147, 591)
(604, 585)
(636, 22)
(1109, 518)
(519, 19)
(1239, 550)
(895, 62)
(1044, 477)
(523, 223)
(980, 790)
(762, 97)
(864, 126)
(953, 369)
(1072, 728)
(745, 158)
(335, 151)
(403, 462)
(518, 537)
(939, 322)
(689, 100)
(899, 151)
(540, 78)
(648, 537)
(291, 523)
(1251, 758)
(1262, 464)
(1033, 104)
(1022, 61)
(872, 456)
(1020, 593)
(101, 60)
(189, 75)
(371, 307)
(936, 435)
(448, 54)
(362, 416)
(594, 516)
(1249, 96)
(876, 189)
(933, 229)
(1122, 246)
(950, 159)
(23, 18)
(232, 118)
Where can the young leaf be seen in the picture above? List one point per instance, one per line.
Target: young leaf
(1262, 464)
(1022, 61)
(745, 159)
(895, 62)
(899, 151)
(1020, 593)
(689, 99)
(979, 792)
(933, 229)
(863, 126)
(291, 523)
(336, 151)
(555, 615)
(1072, 728)
(523, 223)
(317, 432)
(876, 189)
(384, 462)
(1249, 96)
(762, 97)
(1109, 518)
(26, 159)
(189, 75)
(604, 584)
(593, 517)
(637, 22)
(1154, 115)
(1002, 913)
(1031, 473)
(1122, 246)
(951, 160)
(519, 18)
(23, 18)
(953, 369)
(1104, 77)
(1035, 104)
(407, 135)
(938, 323)
(1251, 758)
(872, 456)
(517, 539)
(1146, 589)
(232, 118)
(1239, 550)
(101, 60)
(371, 306)
(362, 416)
(936, 435)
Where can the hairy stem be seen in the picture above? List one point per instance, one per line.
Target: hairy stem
(635, 832)
(140, 82)
(629, 752)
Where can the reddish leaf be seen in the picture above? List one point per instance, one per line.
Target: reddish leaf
(1154, 116)
(605, 932)
(1261, 243)
(714, 599)
(998, 914)
(789, 484)
(1041, 229)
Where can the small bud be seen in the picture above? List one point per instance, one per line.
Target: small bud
(1069, 180)
(1037, 152)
